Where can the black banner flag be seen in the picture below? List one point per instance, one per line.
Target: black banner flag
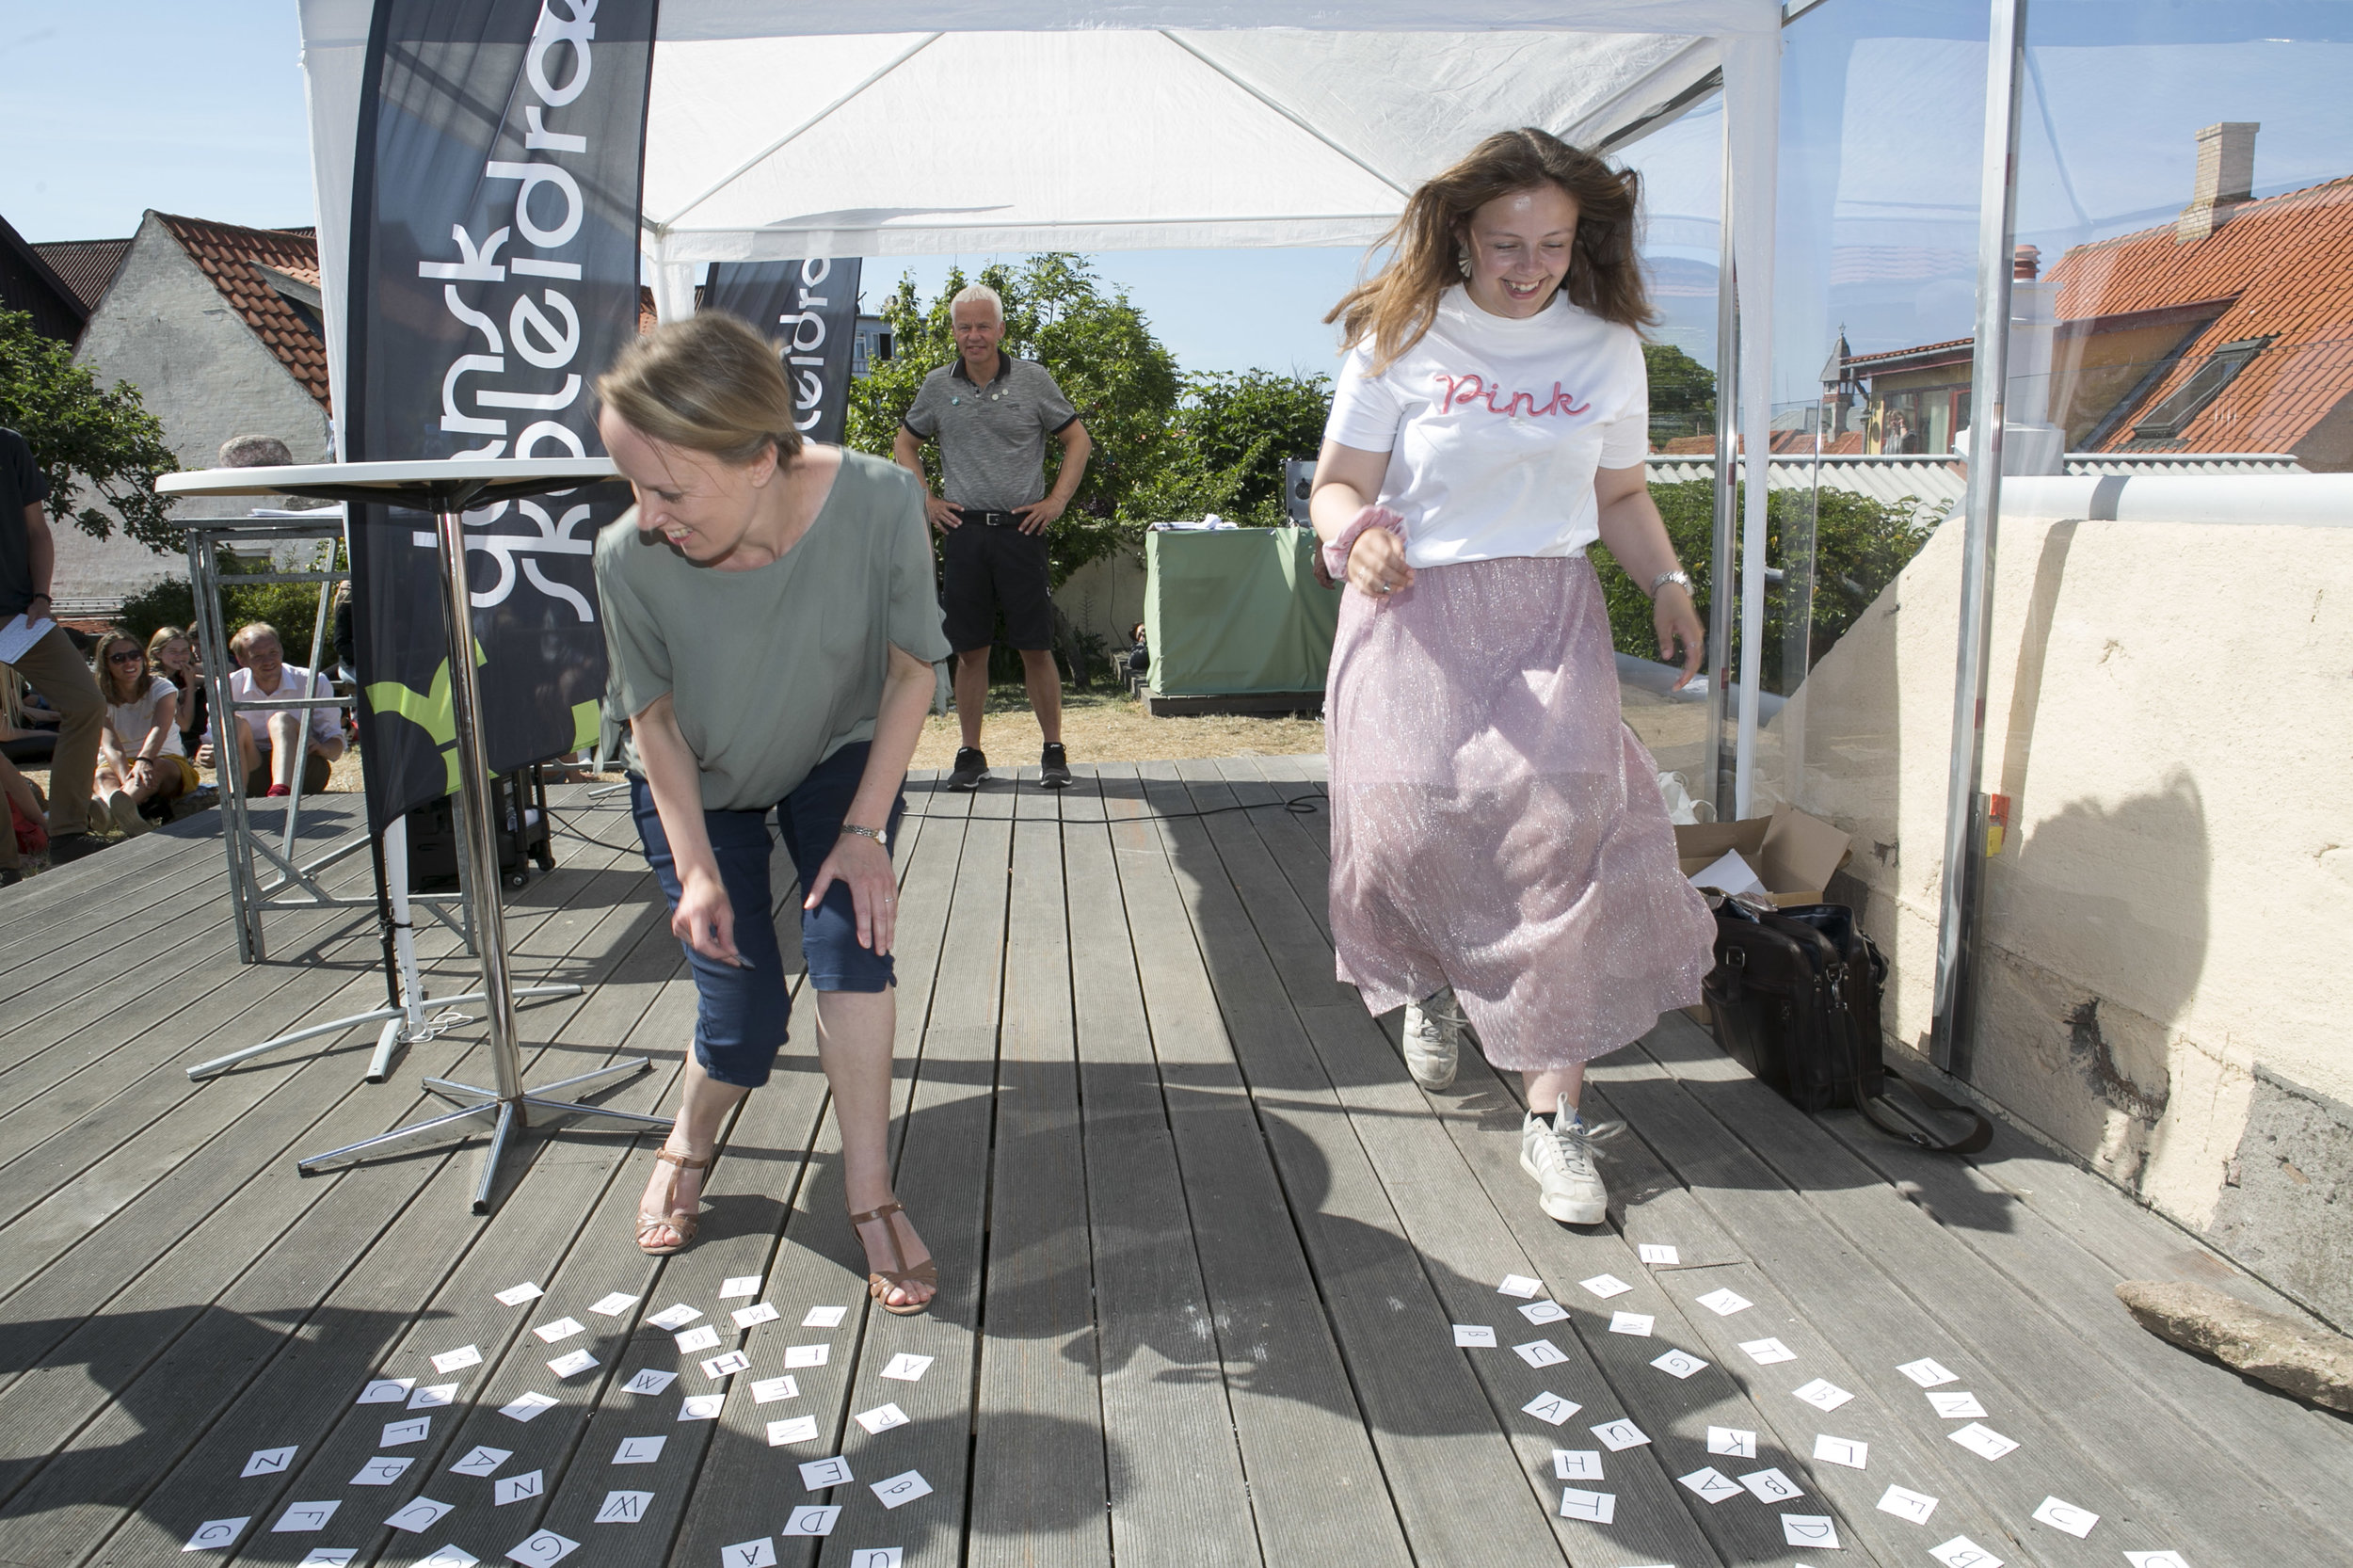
(494, 275)
(809, 309)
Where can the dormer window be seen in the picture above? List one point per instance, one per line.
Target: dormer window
(2171, 415)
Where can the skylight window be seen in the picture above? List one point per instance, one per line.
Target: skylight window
(2172, 415)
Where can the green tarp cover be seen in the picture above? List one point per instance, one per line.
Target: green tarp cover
(1235, 611)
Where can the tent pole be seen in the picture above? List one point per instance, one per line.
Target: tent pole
(1722, 548)
(1753, 118)
(1989, 376)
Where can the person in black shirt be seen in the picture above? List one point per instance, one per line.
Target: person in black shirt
(51, 667)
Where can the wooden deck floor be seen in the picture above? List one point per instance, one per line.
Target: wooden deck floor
(1202, 1243)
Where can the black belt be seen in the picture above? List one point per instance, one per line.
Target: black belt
(990, 520)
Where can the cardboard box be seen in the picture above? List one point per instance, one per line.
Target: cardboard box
(1793, 854)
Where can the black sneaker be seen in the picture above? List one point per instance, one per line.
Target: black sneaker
(1053, 767)
(971, 767)
(65, 848)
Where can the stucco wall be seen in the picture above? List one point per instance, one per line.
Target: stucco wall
(165, 329)
(2163, 980)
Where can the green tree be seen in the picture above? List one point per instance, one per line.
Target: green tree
(1228, 444)
(1860, 545)
(1682, 394)
(1102, 351)
(80, 431)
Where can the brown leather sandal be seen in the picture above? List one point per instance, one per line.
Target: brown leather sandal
(682, 1221)
(881, 1283)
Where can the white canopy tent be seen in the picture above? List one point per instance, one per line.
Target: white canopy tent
(790, 128)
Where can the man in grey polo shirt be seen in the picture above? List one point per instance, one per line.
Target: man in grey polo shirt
(991, 414)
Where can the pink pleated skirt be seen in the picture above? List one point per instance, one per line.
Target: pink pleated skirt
(1495, 824)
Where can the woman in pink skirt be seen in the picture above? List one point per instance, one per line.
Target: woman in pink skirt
(1500, 854)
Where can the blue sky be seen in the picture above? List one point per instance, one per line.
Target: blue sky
(196, 106)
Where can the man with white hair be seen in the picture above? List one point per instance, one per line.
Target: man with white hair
(991, 414)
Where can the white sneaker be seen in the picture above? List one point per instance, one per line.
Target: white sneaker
(1433, 1038)
(1557, 1152)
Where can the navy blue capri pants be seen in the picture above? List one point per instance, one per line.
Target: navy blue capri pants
(741, 1014)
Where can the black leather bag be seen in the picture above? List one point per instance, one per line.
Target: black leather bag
(1795, 998)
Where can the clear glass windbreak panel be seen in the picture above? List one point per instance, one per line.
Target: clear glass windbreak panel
(2163, 772)
(1682, 168)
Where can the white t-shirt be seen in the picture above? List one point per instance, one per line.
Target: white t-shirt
(326, 725)
(132, 720)
(1494, 427)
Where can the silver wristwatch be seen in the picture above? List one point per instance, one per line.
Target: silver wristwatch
(880, 835)
(1677, 576)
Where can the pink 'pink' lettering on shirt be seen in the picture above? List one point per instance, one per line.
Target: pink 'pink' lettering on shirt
(1469, 388)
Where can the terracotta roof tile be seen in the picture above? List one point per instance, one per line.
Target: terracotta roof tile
(239, 262)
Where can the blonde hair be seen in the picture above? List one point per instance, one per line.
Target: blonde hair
(163, 634)
(1390, 312)
(707, 383)
(114, 691)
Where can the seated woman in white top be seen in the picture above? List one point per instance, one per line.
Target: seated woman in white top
(139, 755)
(270, 744)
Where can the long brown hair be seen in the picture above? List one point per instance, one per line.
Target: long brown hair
(117, 693)
(1389, 311)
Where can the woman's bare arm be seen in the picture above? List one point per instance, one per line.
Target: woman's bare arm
(1633, 532)
(705, 918)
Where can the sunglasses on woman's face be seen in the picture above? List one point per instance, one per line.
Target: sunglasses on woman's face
(125, 656)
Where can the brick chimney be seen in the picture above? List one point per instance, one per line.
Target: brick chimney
(2226, 177)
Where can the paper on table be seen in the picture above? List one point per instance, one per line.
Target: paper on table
(1659, 1255)
(16, 637)
(768, 1390)
(1540, 1352)
(1729, 874)
(563, 1328)
(1723, 1304)
(1474, 1337)
(386, 1391)
(1550, 1408)
(1981, 1439)
(819, 1474)
(901, 1489)
(572, 1364)
(623, 1508)
(1577, 1463)
(398, 1433)
(1520, 1285)
(905, 1367)
(1605, 1286)
(824, 1316)
(2076, 1522)
(751, 1317)
(639, 1450)
(1765, 1352)
(1541, 1313)
(526, 1406)
(806, 1355)
(541, 1547)
(1848, 1452)
(1770, 1486)
(761, 1553)
(702, 1338)
(304, 1517)
(515, 1489)
(1956, 1407)
(614, 1304)
(268, 1462)
(726, 1364)
(1905, 1503)
(1737, 1441)
(434, 1398)
(1822, 1393)
(1711, 1484)
(1927, 1373)
(813, 1519)
(1619, 1434)
(1809, 1530)
(383, 1470)
(739, 1285)
(1597, 1508)
(482, 1461)
(675, 1316)
(419, 1514)
(701, 1407)
(881, 1419)
(648, 1382)
(799, 1429)
(515, 1295)
(213, 1535)
(1961, 1552)
(1678, 1364)
(1635, 1323)
(458, 1360)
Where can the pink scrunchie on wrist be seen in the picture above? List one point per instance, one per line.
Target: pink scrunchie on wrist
(1335, 551)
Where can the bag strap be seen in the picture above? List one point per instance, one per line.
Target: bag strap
(1891, 1118)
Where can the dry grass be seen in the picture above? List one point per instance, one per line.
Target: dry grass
(1100, 728)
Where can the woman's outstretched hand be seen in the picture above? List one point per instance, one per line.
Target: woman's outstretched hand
(1678, 621)
(864, 866)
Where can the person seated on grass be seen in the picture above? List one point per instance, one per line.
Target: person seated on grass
(271, 750)
(23, 826)
(172, 655)
(139, 755)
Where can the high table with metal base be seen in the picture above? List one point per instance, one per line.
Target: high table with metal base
(447, 489)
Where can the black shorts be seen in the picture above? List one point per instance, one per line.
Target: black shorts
(988, 570)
